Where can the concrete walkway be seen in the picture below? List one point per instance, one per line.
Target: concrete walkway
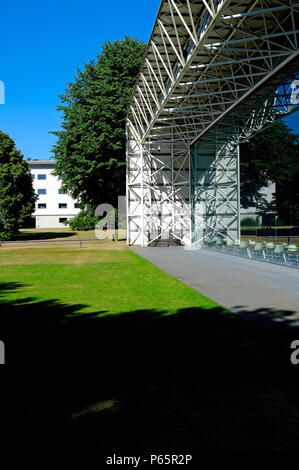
(257, 289)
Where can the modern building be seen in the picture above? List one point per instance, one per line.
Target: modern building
(215, 73)
(53, 206)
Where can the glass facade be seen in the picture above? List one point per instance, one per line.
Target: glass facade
(214, 189)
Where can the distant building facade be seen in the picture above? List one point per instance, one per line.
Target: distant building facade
(53, 206)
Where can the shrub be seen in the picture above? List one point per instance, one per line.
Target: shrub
(85, 220)
(6, 236)
(249, 222)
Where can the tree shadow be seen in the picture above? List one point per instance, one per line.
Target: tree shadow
(146, 380)
(35, 236)
(270, 317)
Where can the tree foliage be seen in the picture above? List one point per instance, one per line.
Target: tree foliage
(249, 222)
(85, 220)
(266, 210)
(272, 156)
(17, 198)
(90, 150)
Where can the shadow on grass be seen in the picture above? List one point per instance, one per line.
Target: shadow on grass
(144, 380)
(23, 236)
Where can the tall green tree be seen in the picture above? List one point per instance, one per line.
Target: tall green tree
(17, 198)
(267, 210)
(272, 156)
(90, 150)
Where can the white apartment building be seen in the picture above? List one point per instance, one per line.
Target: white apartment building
(53, 206)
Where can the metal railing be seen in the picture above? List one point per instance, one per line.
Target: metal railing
(285, 257)
(57, 241)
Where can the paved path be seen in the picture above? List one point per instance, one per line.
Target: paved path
(260, 290)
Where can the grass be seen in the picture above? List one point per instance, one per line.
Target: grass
(64, 233)
(111, 280)
(102, 346)
(54, 234)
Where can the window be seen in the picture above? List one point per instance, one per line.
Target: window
(42, 206)
(62, 219)
(61, 191)
(62, 206)
(32, 176)
(41, 191)
(77, 205)
(41, 177)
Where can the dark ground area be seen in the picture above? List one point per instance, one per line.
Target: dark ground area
(197, 380)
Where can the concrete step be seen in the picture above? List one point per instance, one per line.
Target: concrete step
(168, 242)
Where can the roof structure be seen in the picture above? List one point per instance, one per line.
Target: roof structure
(41, 162)
(206, 57)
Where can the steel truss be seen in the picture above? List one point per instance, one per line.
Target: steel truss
(214, 74)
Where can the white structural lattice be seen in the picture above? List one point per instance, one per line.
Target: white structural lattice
(215, 73)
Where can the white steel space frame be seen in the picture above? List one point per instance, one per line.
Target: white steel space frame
(215, 72)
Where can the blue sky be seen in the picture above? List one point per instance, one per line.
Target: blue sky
(43, 44)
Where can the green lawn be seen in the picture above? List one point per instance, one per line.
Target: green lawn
(103, 281)
(55, 233)
(102, 346)
(64, 234)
